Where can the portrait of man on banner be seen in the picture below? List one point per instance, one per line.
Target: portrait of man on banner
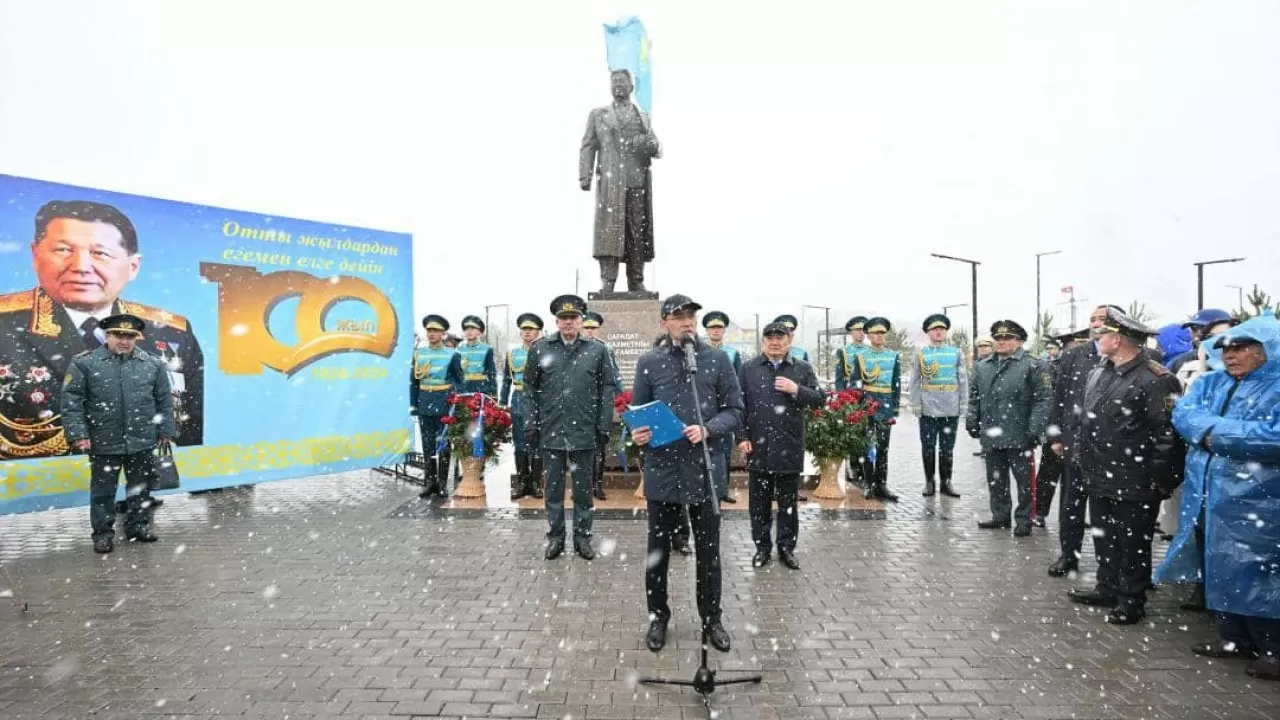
(84, 255)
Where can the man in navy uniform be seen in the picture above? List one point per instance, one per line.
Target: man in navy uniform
(791, 323)
(847, 378)
(436, 374)
(880, 374)
(479, 370)
(716, 323)
(592, 321)
(939, 396)
(528, 479)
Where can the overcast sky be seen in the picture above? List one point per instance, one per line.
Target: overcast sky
(813, 155)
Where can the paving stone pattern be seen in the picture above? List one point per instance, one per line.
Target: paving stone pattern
(345, 596)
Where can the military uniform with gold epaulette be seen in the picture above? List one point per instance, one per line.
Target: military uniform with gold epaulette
(435, 375)
(479, 369)
(939, 397)
(881, 377)
(40, 340)
(528, 480)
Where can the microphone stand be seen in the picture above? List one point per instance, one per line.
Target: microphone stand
(704, 679)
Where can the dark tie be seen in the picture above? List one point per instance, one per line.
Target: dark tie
(86, 331)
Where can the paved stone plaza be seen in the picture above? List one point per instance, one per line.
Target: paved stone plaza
(346, 596)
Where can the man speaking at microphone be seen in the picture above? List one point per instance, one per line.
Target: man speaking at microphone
(675, 475)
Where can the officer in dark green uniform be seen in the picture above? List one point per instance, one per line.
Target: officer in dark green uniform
(592, 321)
(716, 323)
(847, 378)
(479, 371)
(117, 406)
(792, 323)
(528, 480)
(880, 374)
(436, 374)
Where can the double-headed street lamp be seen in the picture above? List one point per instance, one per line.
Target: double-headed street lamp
(946, 309)
(1200, 277)
(973, 264)
(1038, 256)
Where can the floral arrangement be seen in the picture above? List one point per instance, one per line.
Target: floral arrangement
(622, 401)
(464, 421)
(842, 427)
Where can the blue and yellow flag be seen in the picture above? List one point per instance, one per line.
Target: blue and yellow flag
(627, 47)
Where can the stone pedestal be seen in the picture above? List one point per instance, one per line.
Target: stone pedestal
(630, 327)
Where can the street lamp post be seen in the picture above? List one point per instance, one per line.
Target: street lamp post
(826, 325)
(1240, 291)
(1200, 277)
(973, 265)
(1038, 256)
(946, 309)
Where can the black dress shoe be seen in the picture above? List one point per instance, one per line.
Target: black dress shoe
(155, 502)
(555, 546)
(992, 525)
(788, 558)
(583, 547)
(1038, 521)
(1223, 650)
(1264, 668)
(948, 490)
(1094, 598)
(1063, 565)
(760, 559)
(882, 493)
(1126, 616)
(801, 497)
(719, 636)
(1022, 530)
(103, 545)
(657, 635)
(537, 491)
(1195, 603)
(598, 493)
(142, 536)
(930, 488)
(429, 490)
(730, 498)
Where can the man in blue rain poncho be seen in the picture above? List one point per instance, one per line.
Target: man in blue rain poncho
(1230, 419)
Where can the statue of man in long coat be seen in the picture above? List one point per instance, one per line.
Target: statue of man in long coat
(617, 148)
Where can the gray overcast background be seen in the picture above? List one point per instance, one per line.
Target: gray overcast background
(813, 154)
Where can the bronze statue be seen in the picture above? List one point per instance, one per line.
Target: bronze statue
(618, 147)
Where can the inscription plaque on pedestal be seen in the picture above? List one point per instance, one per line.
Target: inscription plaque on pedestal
(630, 327)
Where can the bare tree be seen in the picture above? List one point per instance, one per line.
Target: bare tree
(1042, 330)
(1259, 300)
(1139, 311)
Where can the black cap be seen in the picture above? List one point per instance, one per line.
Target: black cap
(592, 319)
(1119, 321)
(123, 324)
(715, 318)
(676, 303)
(775, 328)
(857, 322)
(1008, 327)
(878, 324)
(936, 320)
(529, 321)
(435, 322)
(568, 305)
(789, 320)
(1052, 342)
(473, 321)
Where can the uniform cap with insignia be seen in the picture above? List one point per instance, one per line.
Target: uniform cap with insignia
(1007, 329)
(985, 341)
(715, 318)
(435, 322)
(677, 303)
(936, 320)
(568, 305)
(878, 325)
(529, 321)
(1052, 342)
(789, 320)
(473, 321)
(857, 322)
(123, 324)
(775, 329)
(592, 319)
(1119, 321)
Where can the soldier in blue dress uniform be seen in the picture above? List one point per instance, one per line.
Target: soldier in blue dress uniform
(939, 397)
(435, 375)
(716, 323)
(592, 321)
(479, 370)
(881, 376)
(792, 323)
(847, 356)
(528, 480)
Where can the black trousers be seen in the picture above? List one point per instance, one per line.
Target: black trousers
(1124, 547)
(664, 518)
(881, 471)
(139, 473)
(938, 445)
(1047, 479)
(1001, 463)
(764, 488)
(1072, 507)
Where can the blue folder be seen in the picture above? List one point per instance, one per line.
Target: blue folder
(657, 416)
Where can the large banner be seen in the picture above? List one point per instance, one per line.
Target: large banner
(287, 342)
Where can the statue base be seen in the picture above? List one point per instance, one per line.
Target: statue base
(622, 295)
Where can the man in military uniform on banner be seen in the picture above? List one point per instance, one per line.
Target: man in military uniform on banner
(847, 378)
(479, 370)
(716, 323)
(881, 376)
(528, 479)
(939, 397)
(84, 255)
(592, 321)
(436, 374)
(791, 324)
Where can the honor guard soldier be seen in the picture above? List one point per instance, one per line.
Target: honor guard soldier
(528, 468)
(847, 376)
(716, 323)
(479, 371)
(939, 397)
(592, 321)
(791, 324)
(881, 376)
(436, 374)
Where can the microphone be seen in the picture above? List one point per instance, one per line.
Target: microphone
(690, 351)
